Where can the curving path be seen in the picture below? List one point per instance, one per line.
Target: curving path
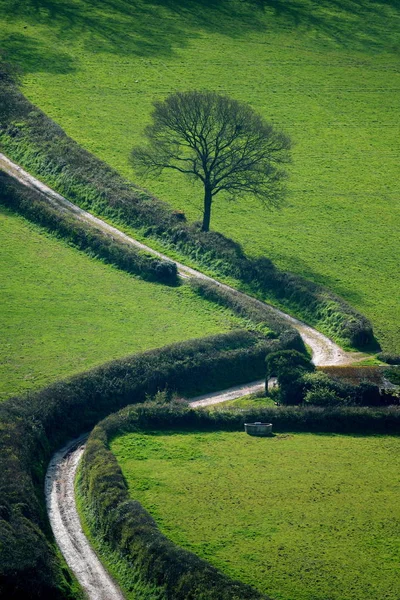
(325, 352)
(65, 523)
(63, 513)
(59, 484)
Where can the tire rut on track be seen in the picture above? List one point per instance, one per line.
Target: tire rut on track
(65, 523)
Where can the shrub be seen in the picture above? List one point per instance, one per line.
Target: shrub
(281, 361)
(288, 366)
(320, 389)
(298, 382)
(390, 359)
(322, 396)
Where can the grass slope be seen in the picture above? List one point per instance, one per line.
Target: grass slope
(327, 72)
(63, 312)
(299, 516)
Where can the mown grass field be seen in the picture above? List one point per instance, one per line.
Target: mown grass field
(63, 312)
(326, 72)
(299, 516)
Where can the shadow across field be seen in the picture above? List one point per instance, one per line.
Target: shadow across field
(157, 27)
(352, 24)
(32, 55)
(296, 265)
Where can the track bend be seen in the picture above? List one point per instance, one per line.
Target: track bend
(63, 513)
(60, 477)
(325, 352)
(65, 523)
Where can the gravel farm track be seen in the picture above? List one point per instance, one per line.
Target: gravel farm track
(59, 487)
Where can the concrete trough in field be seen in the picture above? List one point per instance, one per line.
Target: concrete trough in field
(258, 429)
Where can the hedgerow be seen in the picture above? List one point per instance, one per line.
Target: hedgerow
(390, 359)
(42, 146)
(33, 426)
(128, 529)
(32, 205)
(256, 312)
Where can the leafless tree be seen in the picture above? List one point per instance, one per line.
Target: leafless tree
(218, 140)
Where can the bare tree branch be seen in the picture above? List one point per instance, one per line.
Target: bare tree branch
(221, 142)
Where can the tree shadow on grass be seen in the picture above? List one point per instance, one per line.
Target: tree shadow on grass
(33, 56)
(297, 265)
(363, 25)
(157, 27)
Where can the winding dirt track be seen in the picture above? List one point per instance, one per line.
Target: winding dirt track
(59, 486)
(63, 513)
(325, 352)
(65, 523)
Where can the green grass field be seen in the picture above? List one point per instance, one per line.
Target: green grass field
(326, 72)
(63, 312)
(250, 402)
(299, 516)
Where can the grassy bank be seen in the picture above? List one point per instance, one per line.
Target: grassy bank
(298, 516)
(64, 312)
(325, 72)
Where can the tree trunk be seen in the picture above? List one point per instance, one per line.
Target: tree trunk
(207, 208)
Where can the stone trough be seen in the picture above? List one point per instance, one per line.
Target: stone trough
(258, 429)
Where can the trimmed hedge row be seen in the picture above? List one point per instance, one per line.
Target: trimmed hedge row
(34, 426)
(34, 206)
(250, 308)
(129, 529)
(41, 145)
(174, 573)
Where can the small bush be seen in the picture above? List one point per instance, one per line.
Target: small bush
(393, 375)
(288, 366)
(390, 359)
(322, 396)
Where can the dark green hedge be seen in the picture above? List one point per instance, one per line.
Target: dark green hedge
(33, 205)
(250, 308)
(33, 426)
(390, 359)
(128, 528)
(42, 146)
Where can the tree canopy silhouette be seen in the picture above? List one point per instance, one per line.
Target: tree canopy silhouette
(221, 142)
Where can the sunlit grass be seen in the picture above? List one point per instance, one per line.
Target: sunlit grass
(62, 312)
(299, 516)
(326, 72)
